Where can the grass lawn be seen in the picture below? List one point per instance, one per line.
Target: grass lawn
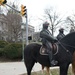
(53, 72)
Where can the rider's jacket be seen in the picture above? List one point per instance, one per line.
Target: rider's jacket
(60, 36)
(46, 36)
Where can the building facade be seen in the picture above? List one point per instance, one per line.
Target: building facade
(3, 27)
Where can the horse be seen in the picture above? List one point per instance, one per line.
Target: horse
(64, 56)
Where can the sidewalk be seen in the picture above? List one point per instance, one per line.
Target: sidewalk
(15, 68)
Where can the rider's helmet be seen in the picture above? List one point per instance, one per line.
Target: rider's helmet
(61, 30)
(45, 25)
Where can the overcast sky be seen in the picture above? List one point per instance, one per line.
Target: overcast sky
(36, 7)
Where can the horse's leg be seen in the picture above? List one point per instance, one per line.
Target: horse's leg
(48, 70)
(73, 64)
(42, 69)
(73, 68)
(64, 68)
(29, 65)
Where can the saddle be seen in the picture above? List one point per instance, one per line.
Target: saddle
(44, 50)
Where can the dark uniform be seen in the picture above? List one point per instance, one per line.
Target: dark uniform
(61, 34)
(47, 38)
(71, 30)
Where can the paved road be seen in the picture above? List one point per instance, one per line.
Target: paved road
(15, 68)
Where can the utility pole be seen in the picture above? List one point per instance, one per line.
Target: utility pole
(13, 8)
(22, 28)
(26, 27)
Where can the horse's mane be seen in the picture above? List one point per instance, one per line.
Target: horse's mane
(68, 38)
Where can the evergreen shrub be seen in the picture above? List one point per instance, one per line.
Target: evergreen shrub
(3, 43)
(1, 52)
(13, 51)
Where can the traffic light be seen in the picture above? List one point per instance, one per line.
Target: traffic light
(23, 10)
(2, 2)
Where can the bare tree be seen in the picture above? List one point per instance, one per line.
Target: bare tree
(14, 25)
(53, 18)
(70, 20)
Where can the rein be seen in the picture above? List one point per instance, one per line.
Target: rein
(65, 48)
(68, 45)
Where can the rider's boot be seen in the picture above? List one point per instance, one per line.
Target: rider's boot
(54, 62)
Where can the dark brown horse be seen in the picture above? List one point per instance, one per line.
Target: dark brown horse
(66, 49)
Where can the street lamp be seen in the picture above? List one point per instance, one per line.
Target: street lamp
(22, 28)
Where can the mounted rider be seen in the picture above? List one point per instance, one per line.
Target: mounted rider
(61, 34)
(48, 39)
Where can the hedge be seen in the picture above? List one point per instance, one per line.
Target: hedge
(3, 43)
(13, 51)
(1, 52)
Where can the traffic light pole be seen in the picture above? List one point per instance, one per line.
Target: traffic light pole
(13, 8)
(26, 16)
